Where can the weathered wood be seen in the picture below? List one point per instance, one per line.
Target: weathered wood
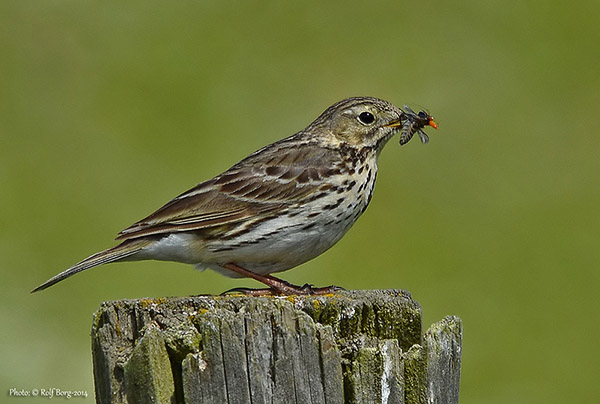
(351, 347)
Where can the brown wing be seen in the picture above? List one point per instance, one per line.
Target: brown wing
(272, 179)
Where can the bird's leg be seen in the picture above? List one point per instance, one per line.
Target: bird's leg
(276, 285)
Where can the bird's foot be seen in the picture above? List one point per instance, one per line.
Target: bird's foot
(275, 285)
(287, 289)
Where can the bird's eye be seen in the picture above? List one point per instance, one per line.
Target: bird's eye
(366, 118)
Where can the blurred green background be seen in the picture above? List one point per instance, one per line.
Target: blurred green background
(110, 109)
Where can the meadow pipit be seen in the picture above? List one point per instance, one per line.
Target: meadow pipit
(279, 207)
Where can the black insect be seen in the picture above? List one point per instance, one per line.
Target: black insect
(414, 123)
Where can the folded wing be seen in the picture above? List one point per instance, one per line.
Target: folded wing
(261, 185)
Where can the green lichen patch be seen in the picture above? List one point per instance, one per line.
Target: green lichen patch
(415, 375)
(148, 375)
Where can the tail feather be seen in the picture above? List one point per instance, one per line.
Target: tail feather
(122, 251)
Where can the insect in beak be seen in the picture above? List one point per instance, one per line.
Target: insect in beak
(414, 123)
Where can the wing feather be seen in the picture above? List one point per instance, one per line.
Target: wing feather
(274, 178)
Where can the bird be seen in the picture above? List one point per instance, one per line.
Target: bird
(281, 206)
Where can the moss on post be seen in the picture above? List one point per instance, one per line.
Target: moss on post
(148, 377)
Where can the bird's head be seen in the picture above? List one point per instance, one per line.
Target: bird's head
(358, 122)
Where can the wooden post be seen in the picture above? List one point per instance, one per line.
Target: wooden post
(361, 346)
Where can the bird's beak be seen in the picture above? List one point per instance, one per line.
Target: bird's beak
(394, 124)
(432, 123)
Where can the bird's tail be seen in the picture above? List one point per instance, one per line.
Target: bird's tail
(122, 251)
